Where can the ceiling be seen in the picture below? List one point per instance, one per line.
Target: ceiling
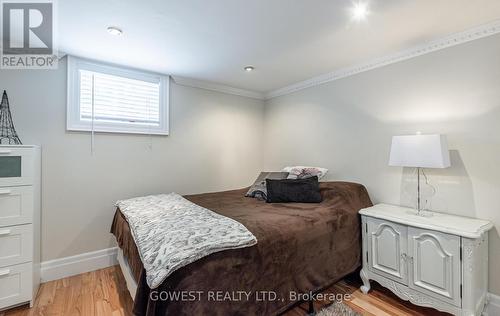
(286, 40)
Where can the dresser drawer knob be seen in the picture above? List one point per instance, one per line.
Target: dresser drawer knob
(5, 232)
(5, 192)
(4, 272)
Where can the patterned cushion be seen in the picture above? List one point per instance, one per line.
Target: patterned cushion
(303, 172)
(258, 189)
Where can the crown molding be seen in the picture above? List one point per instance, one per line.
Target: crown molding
(475, 33)
(188, 82)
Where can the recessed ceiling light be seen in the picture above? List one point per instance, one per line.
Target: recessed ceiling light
(360, 11)
(114, 31)
(249, 68)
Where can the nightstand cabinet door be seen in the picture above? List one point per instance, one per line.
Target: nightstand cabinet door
(387, 248)
(435, 264)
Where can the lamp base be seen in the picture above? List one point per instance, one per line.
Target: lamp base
(423, 213)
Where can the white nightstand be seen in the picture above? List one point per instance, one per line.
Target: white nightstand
(436, 260)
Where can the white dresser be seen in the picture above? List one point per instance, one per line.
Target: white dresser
(436, 260)
(19, 224)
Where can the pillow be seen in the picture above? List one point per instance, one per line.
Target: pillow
(258, 189)
(303, 172)
(293, 190)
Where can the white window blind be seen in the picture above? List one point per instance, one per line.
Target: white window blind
(105, 98)
(118, 99)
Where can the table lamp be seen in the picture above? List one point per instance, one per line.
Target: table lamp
(419, 151)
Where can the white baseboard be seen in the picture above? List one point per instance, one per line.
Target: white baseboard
(85, 262)
(493, 307)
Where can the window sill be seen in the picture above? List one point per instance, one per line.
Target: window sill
(118, 131)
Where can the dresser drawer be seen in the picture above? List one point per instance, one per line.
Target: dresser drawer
(16, 205)
(16, 244)
(16, 284)
(16, 166)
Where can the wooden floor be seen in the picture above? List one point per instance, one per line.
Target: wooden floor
(101, 292)
(378, 302)
(104, 292)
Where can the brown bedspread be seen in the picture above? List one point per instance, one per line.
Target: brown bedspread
(301, 248)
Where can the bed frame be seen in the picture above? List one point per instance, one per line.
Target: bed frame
(127, 273)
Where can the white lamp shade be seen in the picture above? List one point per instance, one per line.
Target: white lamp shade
(424, 151)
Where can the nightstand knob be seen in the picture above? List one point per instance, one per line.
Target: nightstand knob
(405, 257)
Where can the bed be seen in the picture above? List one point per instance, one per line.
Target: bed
(302, 248)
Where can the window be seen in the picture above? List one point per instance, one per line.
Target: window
(103, 98)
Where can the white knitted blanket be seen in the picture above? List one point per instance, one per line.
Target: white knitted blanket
(171, 232)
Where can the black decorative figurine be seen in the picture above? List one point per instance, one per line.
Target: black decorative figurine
(8, 133)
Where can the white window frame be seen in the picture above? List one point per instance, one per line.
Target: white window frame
(73, 121)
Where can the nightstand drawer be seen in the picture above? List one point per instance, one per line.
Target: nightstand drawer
(435, 264)
(387, 248)
(16, 244)
(16, 166)
(16, 205)
(16, 284)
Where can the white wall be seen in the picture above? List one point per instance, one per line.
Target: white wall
(214, 145)
(346, 126)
